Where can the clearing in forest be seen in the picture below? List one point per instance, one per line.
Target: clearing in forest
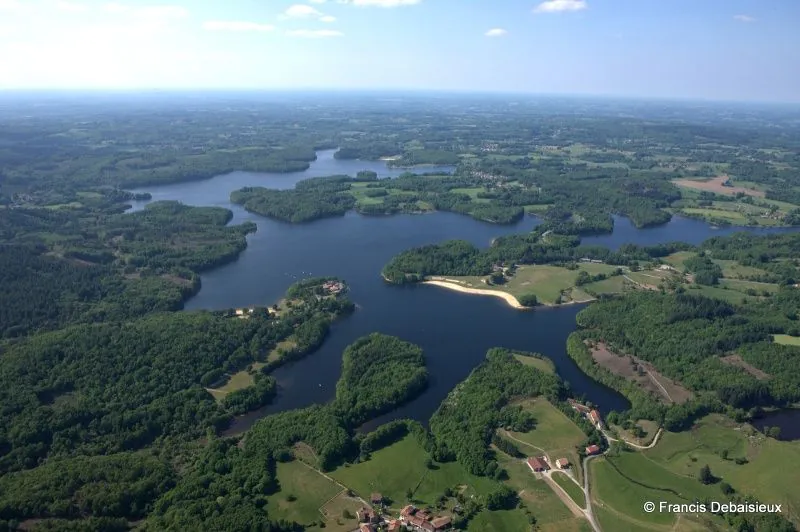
(641, 372)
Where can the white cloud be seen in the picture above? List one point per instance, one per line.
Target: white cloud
(556, 6)
(495, 32)
(327, 18)
(317, 1)
(71, 6)
(314, 34)
(235, 25)
(380, 3)
(744, 18)
(9, 5)
(301, 11)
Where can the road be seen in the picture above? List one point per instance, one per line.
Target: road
(563, 495)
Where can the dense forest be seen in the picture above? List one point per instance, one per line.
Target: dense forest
(466, 421)
(686, 337)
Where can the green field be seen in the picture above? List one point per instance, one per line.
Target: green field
(540, 363)
(310, 488)
(669, 471)
(575, 492)
(676, 260)
(400, 467)
(733, 270)
(551, 514)
(500, 521)
(612, 285)
(554, 432)
(741, 286)
(546, 282)
(770, 474)
(732, 296)
(626, 482)
(785, 339)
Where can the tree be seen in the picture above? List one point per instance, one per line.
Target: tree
(409, 494)
(774, 432)
(705, 476)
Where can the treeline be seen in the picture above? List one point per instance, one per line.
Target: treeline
(465, 422)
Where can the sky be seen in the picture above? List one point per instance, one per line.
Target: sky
(746, 50)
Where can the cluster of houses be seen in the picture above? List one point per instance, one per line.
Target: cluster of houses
(423, 521)
(540, 464)
(411, 519)
(333, 287)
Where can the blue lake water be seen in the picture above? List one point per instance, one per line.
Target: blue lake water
(455, 330)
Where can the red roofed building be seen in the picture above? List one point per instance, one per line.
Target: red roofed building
(407, 511)
(537, 465)
(562, 463)
(441, 523)
(594, 417)
(422, 514)
(393, 526)
(364, 527)
(592, 449)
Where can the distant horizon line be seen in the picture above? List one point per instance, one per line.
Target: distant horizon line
(375, 91)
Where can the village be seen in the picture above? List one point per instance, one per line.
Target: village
(411, 518)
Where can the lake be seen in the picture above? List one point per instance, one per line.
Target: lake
(455, 330)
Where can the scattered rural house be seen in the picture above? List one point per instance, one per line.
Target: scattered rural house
(376, 499)
(393, 525)
(578, 407)
(594, 417)
(422, 514)
(592, 450)
(666, 268)
(562, 463)
(367, 527)
(537, 464)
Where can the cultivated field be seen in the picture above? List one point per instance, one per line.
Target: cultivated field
(716, 186)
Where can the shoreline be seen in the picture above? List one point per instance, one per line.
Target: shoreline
(508, 298)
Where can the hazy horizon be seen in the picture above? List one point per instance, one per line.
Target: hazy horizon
(732, 51)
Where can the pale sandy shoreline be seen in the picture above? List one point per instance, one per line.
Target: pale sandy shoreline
(451, 284)
(511, 300)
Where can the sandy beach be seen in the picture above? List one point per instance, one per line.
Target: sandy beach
(452, 285)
